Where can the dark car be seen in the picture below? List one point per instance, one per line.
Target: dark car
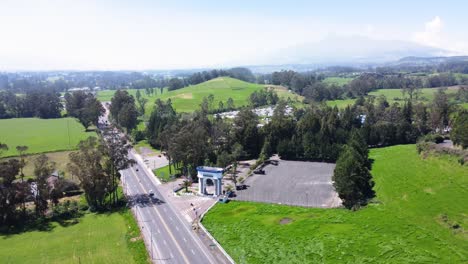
(259, 171)
(241, 187)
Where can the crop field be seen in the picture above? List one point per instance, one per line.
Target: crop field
(395, 95)
(418, 216)
(97, 238)
(41, 135)
(188, 99)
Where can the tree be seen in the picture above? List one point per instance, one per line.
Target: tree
(43, 169)
(22, 153)
(8, 171)
(186, 184)
(85, 107)
(87, 165)
(352, 179)
(128, 117)
(174, 84)
(459, 133)
(116, 149)
(230, 104)
(246, 132)
(440, 110)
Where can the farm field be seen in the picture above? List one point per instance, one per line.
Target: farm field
(394, 95)
(97, 238)
(188, 99)
(419, 216)
(41, 135)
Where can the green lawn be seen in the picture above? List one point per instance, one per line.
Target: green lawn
(188, 99)
(394, 95)
(420, 217)
(97, 238)
(340, 81)
(41, 135)
(163, 173)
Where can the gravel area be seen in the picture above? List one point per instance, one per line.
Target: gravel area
(293, 183)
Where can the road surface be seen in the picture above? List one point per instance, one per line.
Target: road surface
(169, 239)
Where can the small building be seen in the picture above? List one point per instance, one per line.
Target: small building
(210, 173)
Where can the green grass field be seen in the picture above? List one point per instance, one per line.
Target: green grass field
(340, 81)
(188, 99)
(41, 135)
(394, 95)
(97, 238)
(420, 216)
(163, 173)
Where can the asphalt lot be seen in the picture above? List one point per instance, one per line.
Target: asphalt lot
(293, 183)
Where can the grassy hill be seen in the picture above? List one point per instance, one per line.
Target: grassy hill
(189, 98)
(41, 135)
(394, 95)
(419, 217)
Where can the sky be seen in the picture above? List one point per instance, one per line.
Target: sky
(175, 34)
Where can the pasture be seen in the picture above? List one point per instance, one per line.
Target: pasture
(96, 238)
(396, 95)
(41, 135)
(418, 216)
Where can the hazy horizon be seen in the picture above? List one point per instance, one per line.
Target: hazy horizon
(153, 35)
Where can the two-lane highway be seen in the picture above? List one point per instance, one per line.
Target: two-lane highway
(170, 239)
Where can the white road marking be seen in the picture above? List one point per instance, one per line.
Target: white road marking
(193, 252)
(165, 243)
(159, 232)
(177, 228)
(185, 239)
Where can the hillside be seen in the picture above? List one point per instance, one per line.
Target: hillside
(189, 98)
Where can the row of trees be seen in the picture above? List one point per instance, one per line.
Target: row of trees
(15, 191)
(37, 103)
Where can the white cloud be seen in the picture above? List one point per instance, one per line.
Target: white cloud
(431, 36)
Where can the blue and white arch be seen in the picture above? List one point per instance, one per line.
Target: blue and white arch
(212, 173)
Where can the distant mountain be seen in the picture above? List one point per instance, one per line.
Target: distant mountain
(352, 50)
(429, 60)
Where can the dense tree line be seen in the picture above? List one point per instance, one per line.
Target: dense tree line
(43, 103)
(62, 81)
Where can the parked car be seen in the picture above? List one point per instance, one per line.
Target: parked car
(241, 187)
(259, 171)
(151, 193)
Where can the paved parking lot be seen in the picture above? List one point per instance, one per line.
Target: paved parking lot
(293, 183)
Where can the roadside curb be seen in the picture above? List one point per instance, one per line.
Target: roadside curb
(211, 237)
(150, 172)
